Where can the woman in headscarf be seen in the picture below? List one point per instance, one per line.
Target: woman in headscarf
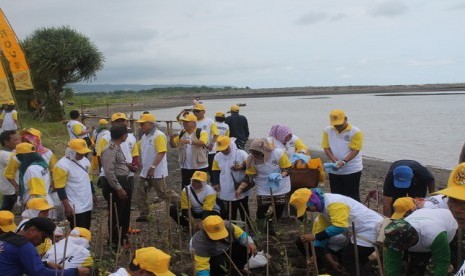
(284, 139)
(268, 168)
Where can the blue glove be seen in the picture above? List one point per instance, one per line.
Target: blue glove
(273, 180)
(299, 156)
(330, 167)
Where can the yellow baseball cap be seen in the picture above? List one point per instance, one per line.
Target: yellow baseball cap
(79, 146)
(144, 118)
(235, 108)
(189, 118)
(153, 260)
(81, 232)
(222, 142)
(214, 227)
(200, 176)
(299, 200)
(118, 115)
(219, 114)
(456, 184)
(7, 221)
(102, 122)
(199, 107)
(401, 206)
(39, 203)
(337, 117)
(32, 131)
(23, 148)
(11, 102)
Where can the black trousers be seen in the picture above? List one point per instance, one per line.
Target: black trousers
(236, 207)
(82, 220)
(220, 262)
(121, 213)
(347, 184)
(210, 164)
(186, 175)
(349, 258)
(8, 202)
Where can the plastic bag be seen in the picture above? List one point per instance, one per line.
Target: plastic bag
(259, 260)
(274, 180)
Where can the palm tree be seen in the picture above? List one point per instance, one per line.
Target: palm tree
(58, 57)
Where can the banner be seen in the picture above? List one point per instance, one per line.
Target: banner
(5, 91)
(15, 56)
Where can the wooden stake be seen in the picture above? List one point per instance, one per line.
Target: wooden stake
(357, 264)
(312, 247)
(232, 263)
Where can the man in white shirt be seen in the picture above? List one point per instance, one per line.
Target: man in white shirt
(8, 139)
(71, 177)
(153, 148)
(75, 128)
(211, 128)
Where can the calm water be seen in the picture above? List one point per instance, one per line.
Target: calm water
(426, 128)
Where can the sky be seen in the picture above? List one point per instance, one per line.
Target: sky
(262, 43)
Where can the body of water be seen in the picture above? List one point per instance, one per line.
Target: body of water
(423, 127)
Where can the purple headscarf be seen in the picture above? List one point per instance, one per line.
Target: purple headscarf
(317, 199)
(279, 132)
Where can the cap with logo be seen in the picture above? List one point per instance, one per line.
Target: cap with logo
(38, 203)
(455, 184)
(200, 176)
(24, 148)
(7, 221)
(235, 108)
(215, 228)
(402, 177)
(79, 146)
(146, 118)
(189, 118)
(117, 116)
(153, 260)
(401, 206)
(199, 107)
(299, 200)
(222, 142)
(337, 117)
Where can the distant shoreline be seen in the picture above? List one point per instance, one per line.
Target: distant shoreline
(159, 102)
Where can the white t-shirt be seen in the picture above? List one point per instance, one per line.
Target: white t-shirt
(265, 169)
(78, 189)
(339, 144)
(8, 120)
(36, 175)
(429, 223)
(222, 128)
(77, 254)
(225, 162)
(5, 186)
(69, 127)
(206, 125)
(188, 164)
(436, 202)
(149, 145)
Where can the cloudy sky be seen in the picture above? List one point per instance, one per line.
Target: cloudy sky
(262, 43)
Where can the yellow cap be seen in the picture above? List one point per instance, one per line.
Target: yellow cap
(102, 122)
(79, 146)
(118, 115)
(222, 142)
(38, 203)
(299, 200)
(456, 184)
(199, 107)
(189, 118)
(144, 118)
(7, 221)
(11, 102)
(32, 131)
(200, 176)
(214, 227)
(23, 148)
(337, 117)
(235, 108)
(153, 260)
(401, 206)
(219, 114)
(81, 232)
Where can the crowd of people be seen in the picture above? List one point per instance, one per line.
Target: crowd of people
(218, 176)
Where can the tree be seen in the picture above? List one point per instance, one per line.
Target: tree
(57, 57)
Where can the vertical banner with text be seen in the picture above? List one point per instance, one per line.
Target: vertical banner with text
(5, 91)
(15, 56)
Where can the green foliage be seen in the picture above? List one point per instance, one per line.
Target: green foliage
(57, 57)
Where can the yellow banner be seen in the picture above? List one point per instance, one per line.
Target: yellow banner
(5, 91)
(15, 56)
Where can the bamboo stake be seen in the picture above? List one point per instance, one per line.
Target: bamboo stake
(117, 225)
(230, 238)
(232, 263)
(55, 253)
(357, 264)
(118, 251)
(267, 247)
(378, 260)
(312, 247)
(287, 262)
(307, 254)
(247, 217)
(273, 205)
(111, 219)
(63, 261)
(459, 246)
